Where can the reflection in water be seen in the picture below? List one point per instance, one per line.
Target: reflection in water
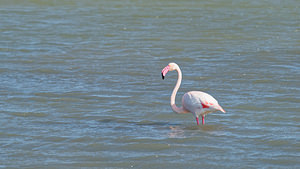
(206, 127)
(176, 132)
(216, 130)
(180, 132)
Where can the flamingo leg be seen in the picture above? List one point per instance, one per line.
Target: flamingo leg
(203, 120)
(197, 119)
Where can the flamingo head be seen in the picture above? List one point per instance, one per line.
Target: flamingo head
(170, 67)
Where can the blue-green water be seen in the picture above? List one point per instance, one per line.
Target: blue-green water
(80, 83)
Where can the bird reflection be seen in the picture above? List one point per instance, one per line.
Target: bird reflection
(176, 132)
(182, 132)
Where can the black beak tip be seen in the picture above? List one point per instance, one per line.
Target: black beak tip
(162, 76)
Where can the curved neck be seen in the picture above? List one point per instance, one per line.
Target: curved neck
(173, 96)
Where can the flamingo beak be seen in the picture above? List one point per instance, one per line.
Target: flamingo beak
(164, 72)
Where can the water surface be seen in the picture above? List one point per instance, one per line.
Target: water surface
(81, 84)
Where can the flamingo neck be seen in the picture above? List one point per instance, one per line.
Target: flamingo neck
(173, 96)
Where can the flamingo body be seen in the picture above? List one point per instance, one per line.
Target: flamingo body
(200, 104)
(196, 102)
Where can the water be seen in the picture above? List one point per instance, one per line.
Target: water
(81, 84)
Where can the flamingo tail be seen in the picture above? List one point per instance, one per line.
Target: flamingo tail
(221, 109)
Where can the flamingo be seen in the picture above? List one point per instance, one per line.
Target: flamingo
(196, 102)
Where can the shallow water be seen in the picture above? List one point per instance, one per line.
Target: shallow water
(81, 84)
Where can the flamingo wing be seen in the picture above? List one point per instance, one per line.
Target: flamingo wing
(197, 101)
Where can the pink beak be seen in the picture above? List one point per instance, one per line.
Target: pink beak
(164, 72)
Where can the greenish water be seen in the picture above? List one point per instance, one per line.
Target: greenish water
(80, 83)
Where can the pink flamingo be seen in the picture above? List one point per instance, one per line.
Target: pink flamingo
(196, 102)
